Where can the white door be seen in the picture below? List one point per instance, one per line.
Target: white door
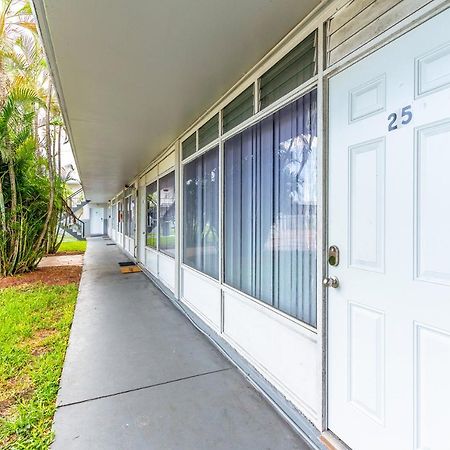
(389, 215)
(96, 221)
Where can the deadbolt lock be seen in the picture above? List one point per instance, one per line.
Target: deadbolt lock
(333, 255)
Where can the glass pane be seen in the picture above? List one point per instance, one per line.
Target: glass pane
(201, 213)
(295, 68)
(120, 217)
(270, 210)
(129, 216)
(152, 215)
(208, 132)
(240, 109)
(114, 216)
(189, 146)
(167, 214)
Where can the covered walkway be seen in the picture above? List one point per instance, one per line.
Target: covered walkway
(138, 375)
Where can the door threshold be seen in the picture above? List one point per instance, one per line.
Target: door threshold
(332, 442)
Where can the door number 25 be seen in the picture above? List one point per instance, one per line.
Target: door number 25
(405, 116)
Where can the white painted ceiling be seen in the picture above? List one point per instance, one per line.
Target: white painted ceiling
(133, 75)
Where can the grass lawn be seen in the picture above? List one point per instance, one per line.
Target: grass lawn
(34, 330)
(72, 246)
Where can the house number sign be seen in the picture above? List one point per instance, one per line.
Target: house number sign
(398, 119)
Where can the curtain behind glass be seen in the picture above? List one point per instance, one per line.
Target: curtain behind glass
(270, 210)
(201, 213)
(167, 214)
(152, 215)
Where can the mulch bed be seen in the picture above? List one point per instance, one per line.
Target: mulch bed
(53, 276)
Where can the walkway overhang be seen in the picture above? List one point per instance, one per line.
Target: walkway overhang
(131, 76)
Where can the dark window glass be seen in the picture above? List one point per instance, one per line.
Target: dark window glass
(271, 210)
(120, 216)
(189, 146)
(152, 215)
(114, 216)
(167, 214)
(201, 213)
(209, 131)
(129, 216)
(298, 66)
(240, 109)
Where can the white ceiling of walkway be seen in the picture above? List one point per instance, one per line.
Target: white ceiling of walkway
(133, 75)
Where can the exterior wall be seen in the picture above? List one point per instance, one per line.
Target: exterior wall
(288, 353)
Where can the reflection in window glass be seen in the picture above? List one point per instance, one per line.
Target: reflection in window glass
(129, 216)
(120, 216)
(152, 215)
(271, 210)
(201, 213)
(167, 214)
(114, 216)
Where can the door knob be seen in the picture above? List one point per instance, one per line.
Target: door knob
(331, 282)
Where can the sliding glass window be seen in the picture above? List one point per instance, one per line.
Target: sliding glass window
(152, 215)
(129, 216)
(271, 210)
(167, 214)
(201, 213)
(120, 216)
(114, 216)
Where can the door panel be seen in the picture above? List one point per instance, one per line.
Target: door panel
(389, 182)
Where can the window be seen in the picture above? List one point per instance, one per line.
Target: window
(129, 216)
(152, 215)
(114, 216)
(167, 214)
(189, 146)
(298, 66)
(270, 210)
(120, 216)
(240, 109)
(208, 132)
(201, 213)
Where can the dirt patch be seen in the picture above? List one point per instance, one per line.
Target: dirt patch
(37, 343)
(53, 276)
(73, 252)
(16, 388)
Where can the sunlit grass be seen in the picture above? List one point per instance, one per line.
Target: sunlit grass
(34, 330)
(72, 246)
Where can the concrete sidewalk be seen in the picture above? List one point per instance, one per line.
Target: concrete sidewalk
(138, 375)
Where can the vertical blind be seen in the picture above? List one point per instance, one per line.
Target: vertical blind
(201, 213)
(167, 214)
(152, 215)
(270, 210)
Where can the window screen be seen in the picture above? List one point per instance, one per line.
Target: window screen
(240, 109)
(189, 146)
(271, 210)
(208, 132)
(290, 72)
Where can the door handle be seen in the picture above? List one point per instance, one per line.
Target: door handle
(331, 282)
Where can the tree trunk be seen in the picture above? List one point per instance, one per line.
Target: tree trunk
(2, 207)
(59, 150)
(51, 173)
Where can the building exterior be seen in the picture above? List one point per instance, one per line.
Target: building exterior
(295, 218)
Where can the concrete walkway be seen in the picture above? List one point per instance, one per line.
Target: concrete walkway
(138, 375)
